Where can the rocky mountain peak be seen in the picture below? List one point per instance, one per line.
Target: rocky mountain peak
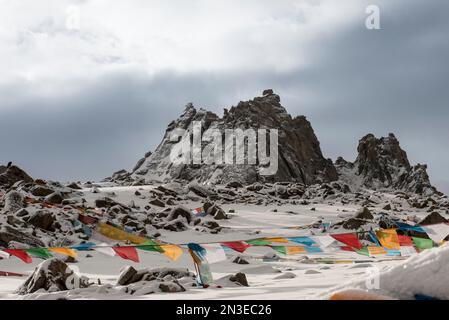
(300, 158)
(382, 163)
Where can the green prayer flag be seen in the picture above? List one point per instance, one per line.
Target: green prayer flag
(422, 244)
(364, 251)
(258, 242)
(39, 253)
(280, 249)
(150, 245)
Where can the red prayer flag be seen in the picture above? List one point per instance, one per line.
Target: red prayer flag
(237, 245)
(21, 254)
(86, 219)
(349, 239)
(129, 253)
(405, 241)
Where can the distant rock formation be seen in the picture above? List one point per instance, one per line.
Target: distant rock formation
(11, 174)
(300, 157)
(382, 164)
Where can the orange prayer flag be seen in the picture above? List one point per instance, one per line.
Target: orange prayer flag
(172, 251)
(373, 250)
(295, 249)
(278, 240)
(65, 251)
(388, 238)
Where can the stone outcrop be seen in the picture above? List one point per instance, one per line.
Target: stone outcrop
(300, 158)
(382, 164)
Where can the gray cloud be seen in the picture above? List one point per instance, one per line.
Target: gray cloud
(356, 81)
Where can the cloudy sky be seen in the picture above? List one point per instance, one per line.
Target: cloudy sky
(88, 86)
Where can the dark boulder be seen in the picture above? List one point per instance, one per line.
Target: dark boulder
(240, 278)
(180, 212)
(432, 218)
(54, 198)
(41, 191)
(8, 234)
(12, 175)
(42, 219)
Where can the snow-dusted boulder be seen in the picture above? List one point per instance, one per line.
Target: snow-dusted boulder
(52, 275)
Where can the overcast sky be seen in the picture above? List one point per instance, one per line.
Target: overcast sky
(87, 87)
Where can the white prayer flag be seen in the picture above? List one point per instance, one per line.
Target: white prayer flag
(437, 232)
(323, 241)
(214, 252)
(105, 249)
(407, 251)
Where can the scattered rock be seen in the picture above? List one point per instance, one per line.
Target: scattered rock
(52, 275)
(54, 198)
(364, 213)
(14, 201)
(41, 191)
(240, 278)
(42, 219)
(240, 260)
(433, 218)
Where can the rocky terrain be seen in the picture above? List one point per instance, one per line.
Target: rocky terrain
(157, 197)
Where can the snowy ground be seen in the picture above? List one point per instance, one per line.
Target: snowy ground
(312, 279)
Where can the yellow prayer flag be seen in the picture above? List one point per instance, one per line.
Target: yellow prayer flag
(172, 251)
(295, 249)
(389, 239)
(118, 234)
(376, 250)
(65, 251)
(278, 240)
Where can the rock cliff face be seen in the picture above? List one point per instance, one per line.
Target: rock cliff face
(382, 164)
(299, 155)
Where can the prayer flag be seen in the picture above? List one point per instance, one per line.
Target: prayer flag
(129, 253)
(364, 251)
(239, 246)
(388, 238)
(280, 249)
(302, 240)
(276, 239)
(313, 249)
(349, 239)
(172, 251)
(83, 246)
(199, 212)
(374, 250)
(258, 242)
(150, 245)
(106, 249)
(405, 241)
(407, 251)
(21, 254)
(295, 249)
(323, 241)
(407, 227)
(422, 244)
(64, 251)
(87, 219)
(437, 232)
(39, 253)
(214, 252)
(118, 234)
